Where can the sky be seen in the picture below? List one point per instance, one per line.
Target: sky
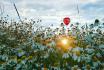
(53, 11)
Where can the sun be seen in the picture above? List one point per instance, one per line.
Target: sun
(64, 41)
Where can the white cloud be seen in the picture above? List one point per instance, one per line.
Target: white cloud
(88, 1)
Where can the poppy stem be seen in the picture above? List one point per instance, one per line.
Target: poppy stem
(66, 30)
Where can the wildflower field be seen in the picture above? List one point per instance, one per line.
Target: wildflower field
(28, 46)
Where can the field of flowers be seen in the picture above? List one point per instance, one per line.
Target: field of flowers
(27, 46)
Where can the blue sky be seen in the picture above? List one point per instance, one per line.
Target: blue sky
(53, 11)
